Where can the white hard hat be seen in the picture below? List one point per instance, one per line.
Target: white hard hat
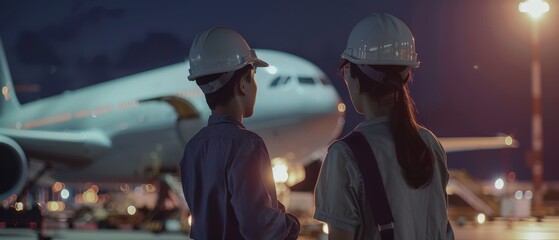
(381, 39)
(220, 50)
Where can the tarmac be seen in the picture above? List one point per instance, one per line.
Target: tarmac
(24, 234)
(518, 229)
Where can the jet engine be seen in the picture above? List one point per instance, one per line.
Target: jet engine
(13, 168)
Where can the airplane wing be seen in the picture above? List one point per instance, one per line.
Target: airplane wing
(461, 144)
(69, 148)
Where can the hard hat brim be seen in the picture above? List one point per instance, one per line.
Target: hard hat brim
(257, 62)
(409, 63)
(251, 58)
(260, 63)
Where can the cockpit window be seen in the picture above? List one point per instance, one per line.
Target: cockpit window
(275, 82)
(286, 80)
(306, 80)
(281, 80)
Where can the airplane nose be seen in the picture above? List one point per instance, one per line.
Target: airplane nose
(321, 98)
(328, 109)
(325, 101)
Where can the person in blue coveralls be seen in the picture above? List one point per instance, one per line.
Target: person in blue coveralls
(226, 172)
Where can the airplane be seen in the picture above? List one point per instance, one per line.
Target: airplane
(133, 129)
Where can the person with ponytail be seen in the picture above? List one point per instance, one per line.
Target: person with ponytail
(377, 69)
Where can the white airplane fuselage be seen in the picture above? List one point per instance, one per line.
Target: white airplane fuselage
(142, 136)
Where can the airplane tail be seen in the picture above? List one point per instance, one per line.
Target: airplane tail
(8, 99)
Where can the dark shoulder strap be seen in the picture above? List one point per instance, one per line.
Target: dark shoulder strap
(374, 188)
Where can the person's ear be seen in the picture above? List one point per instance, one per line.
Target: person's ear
(242, 86)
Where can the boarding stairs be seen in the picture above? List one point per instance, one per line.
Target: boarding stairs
(463, 185)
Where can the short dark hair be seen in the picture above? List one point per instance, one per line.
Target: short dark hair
(225, 93)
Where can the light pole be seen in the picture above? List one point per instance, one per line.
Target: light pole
(536, 8)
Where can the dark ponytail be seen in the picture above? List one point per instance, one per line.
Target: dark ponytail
(414, 157)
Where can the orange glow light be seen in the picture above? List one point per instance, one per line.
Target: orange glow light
(57, 186)
(90, 196)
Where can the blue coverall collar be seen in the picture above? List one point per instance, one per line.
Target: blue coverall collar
(223, 118)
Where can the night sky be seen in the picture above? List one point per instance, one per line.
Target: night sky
(474, 78)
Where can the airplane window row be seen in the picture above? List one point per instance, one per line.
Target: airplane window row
(306, 80)
(281, 80)
(312, 81)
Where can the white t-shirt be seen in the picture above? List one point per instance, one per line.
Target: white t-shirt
(418, 213)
